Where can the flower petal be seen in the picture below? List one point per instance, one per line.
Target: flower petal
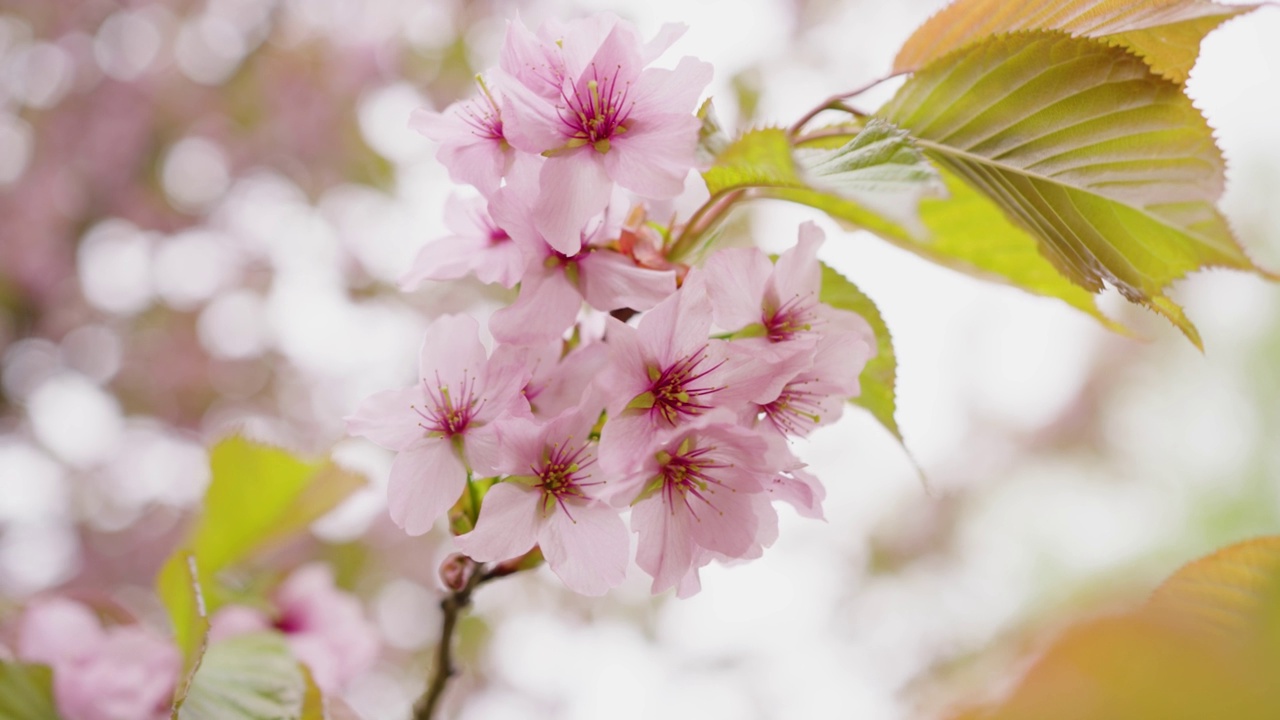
(507, 526)
(426, 480)
(575, 187)
(587, 551)
(388, 418)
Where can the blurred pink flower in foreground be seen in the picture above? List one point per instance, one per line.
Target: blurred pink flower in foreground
(125, 672)
(325, 627)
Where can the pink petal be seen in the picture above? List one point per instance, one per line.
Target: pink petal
(507, 526)
(575, 188)
(232, 620)
(544, 310)
(727, 526)
(587, 551)
(611, 281)
(665, 550)
(672, 92)
(797, 273)
(736, 280)
(56, 629)
(679, 325)
(451, 352)
(427, 478)
(388, 418)
(802, 490)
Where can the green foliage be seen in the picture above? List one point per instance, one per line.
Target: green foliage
(758, 158)
(258, 495)
(1165, 33)
(880, 374)
(878, 170)
(247, 677)
(26, 692)
(1107, 165)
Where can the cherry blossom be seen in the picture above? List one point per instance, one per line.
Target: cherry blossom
(473, 146)
(123, 672)
(477, 246)
(583, 97)
(324, 627)
(551, 498)
(439, 426)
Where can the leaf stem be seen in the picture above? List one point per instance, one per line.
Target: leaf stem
(703, 219)
(836, 102)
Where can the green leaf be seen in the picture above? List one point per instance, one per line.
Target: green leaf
(879, 377)
(179, 584)
(26, 692)
(247, 677)
(258, 495)
(712, 139)
(758, 158)
(1165, 33)
(879, 170)
(1108, 166)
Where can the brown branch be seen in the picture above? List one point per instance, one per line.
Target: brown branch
(452, 606)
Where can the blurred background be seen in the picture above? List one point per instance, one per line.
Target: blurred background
(204, 207)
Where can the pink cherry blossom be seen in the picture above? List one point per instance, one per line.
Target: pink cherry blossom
(324, 627)
(585, 99)
(661, 373)
(478, 246)
(555, 284)
(700, 495)
(439, 427)
(124, 672)
(551, 500)
(473, 146)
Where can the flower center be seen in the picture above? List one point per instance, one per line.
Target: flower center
(790, 319)
(674, 391)
(795, 411)
(561, 477)
(447, 413)
(595, 116)
(483, 115)
(687, 476)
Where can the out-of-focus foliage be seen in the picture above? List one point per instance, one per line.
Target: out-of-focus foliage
(1206, 645)
(250, 677)
(259, 495)
(26, 692)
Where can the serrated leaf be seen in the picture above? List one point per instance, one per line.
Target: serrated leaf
(1165, 33)
(247, 677)
(712, 139)
(1107, 165)
(757, 158)
(258, 495)
(26, 692)
(879, 376)
(880, 169)
(179, 582)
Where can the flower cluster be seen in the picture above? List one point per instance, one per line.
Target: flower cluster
(622, 382)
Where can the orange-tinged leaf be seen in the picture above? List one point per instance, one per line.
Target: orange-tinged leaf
(1107, 165)
(1165, 33)
(1204, 646)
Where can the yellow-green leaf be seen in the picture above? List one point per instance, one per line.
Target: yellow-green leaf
(258, 495)
(758, 158)
(1235, 590)
(879, 376)
(26, 692)
(179, 585)
(1165, 33)
(1107, 165)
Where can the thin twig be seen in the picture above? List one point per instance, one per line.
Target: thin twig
(452, 606)
(836, 102)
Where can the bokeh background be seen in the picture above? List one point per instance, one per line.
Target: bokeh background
(204, 207)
